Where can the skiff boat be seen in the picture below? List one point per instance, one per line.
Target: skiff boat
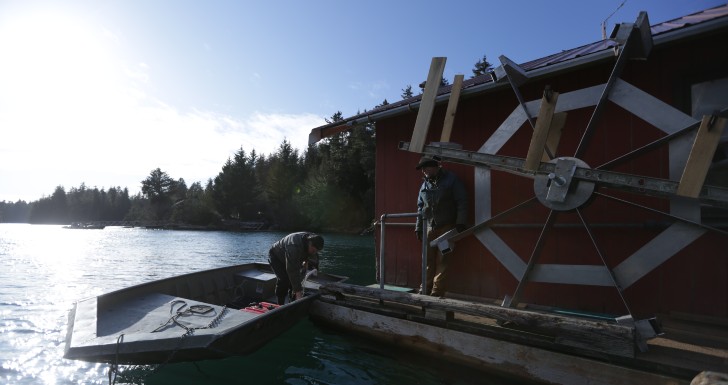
(203, 315)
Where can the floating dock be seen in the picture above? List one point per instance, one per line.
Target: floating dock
(534, 344)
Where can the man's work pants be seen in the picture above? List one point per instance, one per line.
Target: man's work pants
(436, 264)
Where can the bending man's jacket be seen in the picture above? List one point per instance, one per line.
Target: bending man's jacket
(292, 251)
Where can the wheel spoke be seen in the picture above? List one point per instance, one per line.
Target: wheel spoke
(624, 55)
(639, 151)
(604, 261)
(534, 256)
(490, 221)
(711, 228)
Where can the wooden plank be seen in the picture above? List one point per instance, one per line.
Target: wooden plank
(452, 106)
(701, 155)
(552, 142)
(392, 287)
(541, 131)
(586, 334)
(427, 104)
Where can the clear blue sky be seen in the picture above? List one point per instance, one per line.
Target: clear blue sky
(102, 92)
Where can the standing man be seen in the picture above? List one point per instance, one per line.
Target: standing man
(288, 257)
(443, 203)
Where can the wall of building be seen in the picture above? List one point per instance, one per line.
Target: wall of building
(695, 280)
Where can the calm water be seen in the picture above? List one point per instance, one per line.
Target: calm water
(47, 268)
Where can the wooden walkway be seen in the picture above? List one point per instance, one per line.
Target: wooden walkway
(530, 344)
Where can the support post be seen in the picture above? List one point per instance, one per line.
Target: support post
(382, 225)
(701, 155)
(452, 106)
(427, 104)
(423, 291)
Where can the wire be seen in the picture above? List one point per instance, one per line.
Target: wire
(604, 23)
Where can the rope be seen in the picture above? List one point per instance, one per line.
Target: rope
(114, 366)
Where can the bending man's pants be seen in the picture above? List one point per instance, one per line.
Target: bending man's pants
(283, 282)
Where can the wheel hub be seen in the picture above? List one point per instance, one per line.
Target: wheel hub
(558, 190)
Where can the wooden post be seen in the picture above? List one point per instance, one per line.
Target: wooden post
(452, 106)
(427, 104)
(701, 155)
(541, 131)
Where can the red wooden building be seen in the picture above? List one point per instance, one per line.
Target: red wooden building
(632, 243)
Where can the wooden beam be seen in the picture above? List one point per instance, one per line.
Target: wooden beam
(317, 135)
(541, 131)
(521, 361)
(552, 142)
(452, 106)
(701, 155)
(427, 104)
(586, 334)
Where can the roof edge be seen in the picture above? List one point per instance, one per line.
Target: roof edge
(605, 54)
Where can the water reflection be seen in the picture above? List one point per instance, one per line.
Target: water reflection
(47, 268)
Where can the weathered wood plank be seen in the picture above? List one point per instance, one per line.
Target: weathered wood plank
(569, 331)
(491, 354)
(452, 106)
(552, 142)
(427, 104)
(701, 155)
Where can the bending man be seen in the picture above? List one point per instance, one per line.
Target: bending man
(287, 257)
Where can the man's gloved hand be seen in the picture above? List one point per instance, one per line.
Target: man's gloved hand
(460, 228)
(419, 234)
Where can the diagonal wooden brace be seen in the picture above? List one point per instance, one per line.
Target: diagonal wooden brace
(541, 131)
(701, 156)
(427, 104)
(452, 106)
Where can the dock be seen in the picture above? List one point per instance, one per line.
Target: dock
(532, 344)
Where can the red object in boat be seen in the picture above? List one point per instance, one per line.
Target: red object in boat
(261, 307)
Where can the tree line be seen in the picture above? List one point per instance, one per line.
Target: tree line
(284, 190)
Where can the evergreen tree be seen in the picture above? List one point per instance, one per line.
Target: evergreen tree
(443, 82)
(180, 190)
(342, 180)
(407, 92)
(284, 182)
(482, 67)
(194, 209)
(59, 206)
(14, 212)
(236, 191)
(160, 189)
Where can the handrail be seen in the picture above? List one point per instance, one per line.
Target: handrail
(383, 224)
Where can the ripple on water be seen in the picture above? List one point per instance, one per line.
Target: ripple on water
(52, 268)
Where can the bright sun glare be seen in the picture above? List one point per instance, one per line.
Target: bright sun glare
(57, 73)
(79, 104)
(56, 60)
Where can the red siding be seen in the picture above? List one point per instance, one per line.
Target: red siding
(695, 280)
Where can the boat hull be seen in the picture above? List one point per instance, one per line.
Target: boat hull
(154, 323)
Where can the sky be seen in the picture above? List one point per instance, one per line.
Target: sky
(102, 92)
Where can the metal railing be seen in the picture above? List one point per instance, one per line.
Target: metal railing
(382, 227)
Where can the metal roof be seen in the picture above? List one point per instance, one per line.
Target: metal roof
(676, 29)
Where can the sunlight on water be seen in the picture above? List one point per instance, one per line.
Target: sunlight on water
(48, 268)
(41, 282)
